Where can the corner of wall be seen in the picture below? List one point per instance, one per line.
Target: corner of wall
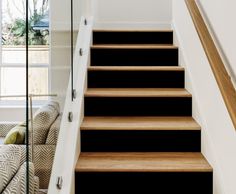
(207, 143)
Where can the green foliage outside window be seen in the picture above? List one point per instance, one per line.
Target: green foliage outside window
(14, 32)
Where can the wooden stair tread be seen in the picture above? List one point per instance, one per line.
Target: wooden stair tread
(134, 46)
(137, 92)
(142, 162)
(135, 68)
(139, 123)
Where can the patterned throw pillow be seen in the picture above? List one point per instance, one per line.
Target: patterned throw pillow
(16, 135)
(10, 156)
(43, 119)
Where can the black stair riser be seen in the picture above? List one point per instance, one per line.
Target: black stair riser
(131, 182)
(134, 57)
(136, 79)
(140, 141)
(132, 37)
(138, 106)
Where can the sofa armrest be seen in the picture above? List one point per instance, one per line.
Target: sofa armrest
(5, 127)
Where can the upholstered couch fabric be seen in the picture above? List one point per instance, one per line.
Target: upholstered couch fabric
(13, 171)
(54, 132)
(18, 183)
(10, 157)
(5, 128)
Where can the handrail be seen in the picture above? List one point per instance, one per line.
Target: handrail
(217, 65)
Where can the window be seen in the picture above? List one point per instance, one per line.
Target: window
(12, 67)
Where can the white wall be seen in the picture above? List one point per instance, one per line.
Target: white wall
(60, 14)
(113, 13)
(132, 13)
(13, 114)
(221, 16)
(218, 133)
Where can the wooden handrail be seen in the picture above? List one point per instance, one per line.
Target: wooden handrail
(222, 76)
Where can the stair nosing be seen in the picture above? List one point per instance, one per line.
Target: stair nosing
(140, 125)
(142, 162)
(137, 92)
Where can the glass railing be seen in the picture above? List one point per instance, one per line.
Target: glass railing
(37, 52)
(44, 55)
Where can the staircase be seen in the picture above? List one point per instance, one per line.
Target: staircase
(138, 134)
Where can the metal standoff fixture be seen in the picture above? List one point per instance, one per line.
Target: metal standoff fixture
(59, 182)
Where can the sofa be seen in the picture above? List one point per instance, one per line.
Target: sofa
(46, 129)
(13, 171)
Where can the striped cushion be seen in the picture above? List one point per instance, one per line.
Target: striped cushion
(10, 157)
(43, 119)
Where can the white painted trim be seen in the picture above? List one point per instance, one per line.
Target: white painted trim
(61, 47)
(68, 147)
(157, 25)
(64, 26)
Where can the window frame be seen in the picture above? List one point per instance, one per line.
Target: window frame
(21, 103)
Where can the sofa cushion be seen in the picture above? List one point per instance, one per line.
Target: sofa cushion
(10, 156)
(43, 119)
(16, 135)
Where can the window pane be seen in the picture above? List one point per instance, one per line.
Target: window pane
(16, 55)
(13, 22)
(38, 82)
(13, 81)
(13, 59)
